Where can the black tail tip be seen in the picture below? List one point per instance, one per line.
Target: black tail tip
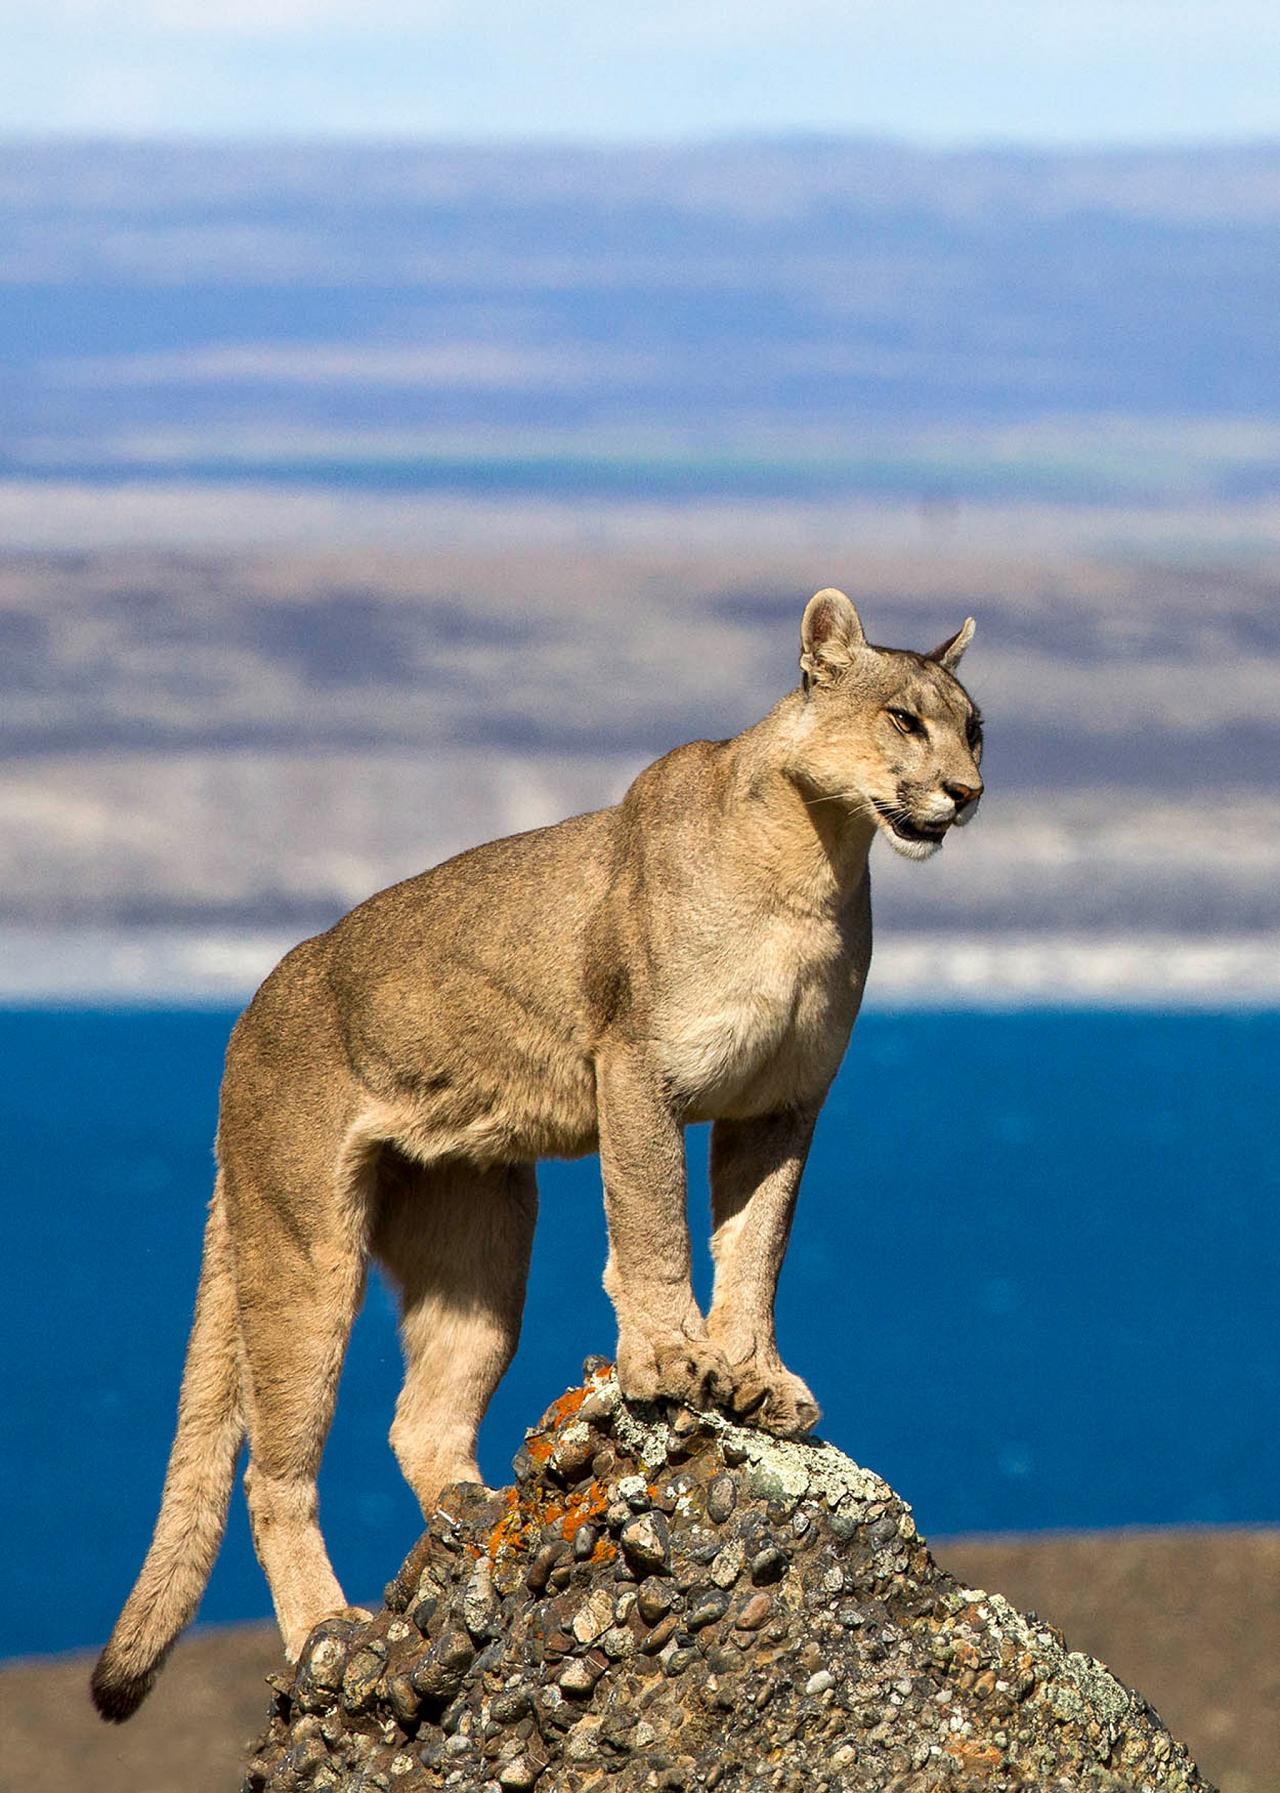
(117, 1696)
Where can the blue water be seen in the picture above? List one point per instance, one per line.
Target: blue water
(1033, 1282)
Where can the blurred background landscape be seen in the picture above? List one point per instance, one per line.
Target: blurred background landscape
(414, 420)
(433, 490)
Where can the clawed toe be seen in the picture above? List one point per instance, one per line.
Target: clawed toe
(775, 1402)
(695, 1375)
(690, 1371)
(788, 1415)
(749, 1396)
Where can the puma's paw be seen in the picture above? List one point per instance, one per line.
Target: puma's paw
(774, 1400)
(671, 1367)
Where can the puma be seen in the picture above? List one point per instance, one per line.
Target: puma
(697, 952)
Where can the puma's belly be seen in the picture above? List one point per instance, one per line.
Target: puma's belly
(509, 1110)
(467, 1068)
(769, 1033)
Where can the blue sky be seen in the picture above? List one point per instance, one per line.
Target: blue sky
(1054, 71)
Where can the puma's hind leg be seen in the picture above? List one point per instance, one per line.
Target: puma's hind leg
(455, 1240)
(299, 1215)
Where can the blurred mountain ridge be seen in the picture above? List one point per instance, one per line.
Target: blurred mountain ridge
(363, 501)
(774, 317)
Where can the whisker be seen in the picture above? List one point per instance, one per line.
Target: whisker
(838, 797)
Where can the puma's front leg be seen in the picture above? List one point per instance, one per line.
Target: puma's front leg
(756, 1167)
(663, 1348)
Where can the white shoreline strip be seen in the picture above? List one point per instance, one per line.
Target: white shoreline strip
(177, 966)
(1052, 970)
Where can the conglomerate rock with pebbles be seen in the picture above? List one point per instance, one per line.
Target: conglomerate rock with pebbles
(666, 1600)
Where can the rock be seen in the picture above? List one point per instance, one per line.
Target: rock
(769, 1565)
(363, 1672)
(754, 1612)
(691, 1604)
(520, 1771)
(705, 1606)
(479, 1607)
(645, 1543)
(653, 1600)
(580, 1675)
(722, 1497)
(593, 1616)
(322, 1665)
(726, 1565)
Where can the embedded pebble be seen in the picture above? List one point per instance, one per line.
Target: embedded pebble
(362, 1674)
(661, 1634)
(726, 1565)
(653, 1599)
(706, 1605)
(754, 1613)
(593, 1616)
(543, 1562)
(722, 1498)
(769, 1565)
(645, 1543)
(574, 1448)
(519, 1772)
(479, 1606)
(580, 1675)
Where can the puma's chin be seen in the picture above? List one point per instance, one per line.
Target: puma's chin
(914, 840)
(912, 849)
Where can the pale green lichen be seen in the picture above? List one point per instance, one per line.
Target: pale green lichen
(780, 1468)
(1075, 1685)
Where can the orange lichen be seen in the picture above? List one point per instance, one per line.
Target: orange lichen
(581, 1508)
(542, 1442)
(507, 1533)
(974, 1754)
(566, 1408)
(534, 1507)
(531, 1510)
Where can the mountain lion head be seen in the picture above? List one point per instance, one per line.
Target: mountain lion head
(891, 734)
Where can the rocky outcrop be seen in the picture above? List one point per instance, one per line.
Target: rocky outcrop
(666, 1600)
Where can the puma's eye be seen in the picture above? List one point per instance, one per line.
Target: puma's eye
(973, 730)
(905, 722)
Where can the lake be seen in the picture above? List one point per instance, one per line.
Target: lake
(1032, 1281)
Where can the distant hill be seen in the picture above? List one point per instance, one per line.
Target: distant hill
(776, 318)
(361, 501)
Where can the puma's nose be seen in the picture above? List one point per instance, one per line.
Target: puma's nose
(960, 794)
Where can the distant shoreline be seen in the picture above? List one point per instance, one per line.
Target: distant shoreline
(203, 967)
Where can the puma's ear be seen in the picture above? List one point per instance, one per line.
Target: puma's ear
(828, 636)
(950, 653)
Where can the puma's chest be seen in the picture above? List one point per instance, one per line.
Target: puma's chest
(760, 1021)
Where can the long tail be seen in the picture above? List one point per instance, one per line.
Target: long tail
(197, 1492)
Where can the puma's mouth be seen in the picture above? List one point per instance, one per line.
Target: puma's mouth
(905, 828)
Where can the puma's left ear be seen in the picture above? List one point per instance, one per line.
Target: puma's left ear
(950, 653)
(829, 633)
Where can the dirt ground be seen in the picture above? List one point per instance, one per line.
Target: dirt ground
(1191, 1618)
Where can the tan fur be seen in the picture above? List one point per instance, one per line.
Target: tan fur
(697, 952)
